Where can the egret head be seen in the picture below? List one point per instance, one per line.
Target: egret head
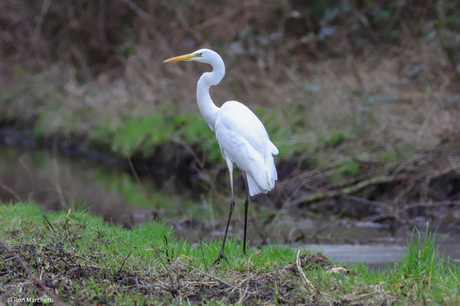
(203, 55)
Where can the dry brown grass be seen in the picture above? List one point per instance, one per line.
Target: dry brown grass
(388, 100)
(103, 61)
(417, 110)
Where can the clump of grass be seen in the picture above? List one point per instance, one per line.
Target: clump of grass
(425, 274)
(422, 259)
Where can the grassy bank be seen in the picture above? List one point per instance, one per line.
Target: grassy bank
(82, 260)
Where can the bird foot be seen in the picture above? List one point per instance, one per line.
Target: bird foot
(219, 257)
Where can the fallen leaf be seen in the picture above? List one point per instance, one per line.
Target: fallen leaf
(338, 270)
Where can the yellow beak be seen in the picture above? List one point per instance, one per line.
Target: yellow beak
(185, 57)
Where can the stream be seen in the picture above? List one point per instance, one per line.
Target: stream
(58, 182)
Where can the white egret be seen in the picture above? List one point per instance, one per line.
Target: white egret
(241, 135)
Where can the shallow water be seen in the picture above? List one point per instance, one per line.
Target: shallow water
(56, 182)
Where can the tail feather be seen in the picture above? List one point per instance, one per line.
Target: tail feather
(271, 170)
(273, 148)
(263, 182)
(254, 188)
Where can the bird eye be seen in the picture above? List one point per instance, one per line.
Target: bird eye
(199, 54)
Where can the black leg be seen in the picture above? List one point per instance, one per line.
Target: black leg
(246, 205)
(232, 205)
(222, 253)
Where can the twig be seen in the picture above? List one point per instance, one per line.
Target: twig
(189, 149)
(407, 207)
(38, 26)
(422, 129)
(151, 286)
(14, 194)
(136, 176)
(354, 69)
(46, 219)
(5, 294)
(327, 194)
(21, 160)
(207, 274)
(31, 274)
(366, 201)
(122, 265)
(428, 204)
(56, 176)
(173, 290)
(245, 291)
(308, 285)
(136, 9)
(227, 14)
(446, 48)
(366, 24)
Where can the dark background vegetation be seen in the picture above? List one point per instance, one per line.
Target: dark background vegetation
(97, 36)
(360, 90)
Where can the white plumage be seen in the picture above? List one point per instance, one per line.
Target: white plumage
(244, 141)
(242, 137)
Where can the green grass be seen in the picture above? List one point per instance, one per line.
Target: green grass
(88, 261)
(423, 264)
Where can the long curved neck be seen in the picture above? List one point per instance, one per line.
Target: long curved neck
(207, 107)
